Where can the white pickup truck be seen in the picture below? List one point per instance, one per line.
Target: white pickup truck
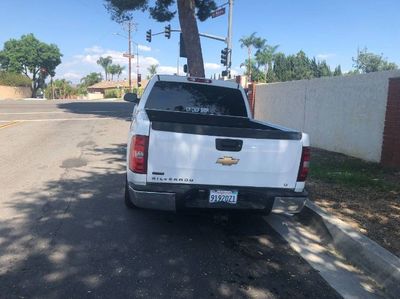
(193, 144)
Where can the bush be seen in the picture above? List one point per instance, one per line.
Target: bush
(48, 94)
(14, 79)
(112, 93)
(138, 91)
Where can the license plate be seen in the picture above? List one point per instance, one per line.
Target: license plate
(223, 196)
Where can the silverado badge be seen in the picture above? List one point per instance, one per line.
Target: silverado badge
(227, 161)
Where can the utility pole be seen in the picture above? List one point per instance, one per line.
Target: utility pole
(130, 55)
(137, 66)
(229, 39)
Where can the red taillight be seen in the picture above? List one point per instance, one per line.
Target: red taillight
(304, 164)
(138, 154)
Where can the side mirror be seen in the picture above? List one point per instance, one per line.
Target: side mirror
(131, 97)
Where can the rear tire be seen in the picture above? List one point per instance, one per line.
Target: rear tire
(128, 201)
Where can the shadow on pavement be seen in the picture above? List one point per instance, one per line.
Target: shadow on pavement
(117, 109)
(76, 239)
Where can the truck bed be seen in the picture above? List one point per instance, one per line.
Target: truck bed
(216, 125)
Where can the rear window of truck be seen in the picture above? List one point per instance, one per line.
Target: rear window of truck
(196, 98)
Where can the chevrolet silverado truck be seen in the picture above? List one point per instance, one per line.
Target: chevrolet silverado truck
(193, 144)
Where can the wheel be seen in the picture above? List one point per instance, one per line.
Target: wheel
(128, 202)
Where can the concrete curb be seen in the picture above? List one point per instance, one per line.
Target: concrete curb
(380, 264)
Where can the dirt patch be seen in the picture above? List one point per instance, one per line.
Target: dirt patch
(364, 195)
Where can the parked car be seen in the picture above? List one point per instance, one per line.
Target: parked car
(39, 94)
(193, 144)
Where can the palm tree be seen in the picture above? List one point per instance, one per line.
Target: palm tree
(119, 70)
(105, 62)
(265, 57)
(91, 79)
(62, 88)
(249, 42)
(152, 69)
(113, 69)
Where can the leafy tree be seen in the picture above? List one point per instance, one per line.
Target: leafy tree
(105, 62)
(352, 72)
(367, 62)
(91, 79)
(281, 67)
(249, 42)
(323, 69)
(337, 71)
(152, 69)
(31, 57)
(265, 57)
(301, 66)
(160, 10)
(255, 72)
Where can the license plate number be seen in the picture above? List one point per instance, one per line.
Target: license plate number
(223, 196)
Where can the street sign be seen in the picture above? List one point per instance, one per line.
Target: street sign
(127, 55)
(218, 12)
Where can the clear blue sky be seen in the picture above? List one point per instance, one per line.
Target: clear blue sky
(330, 30)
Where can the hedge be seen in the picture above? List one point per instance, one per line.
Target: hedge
(14, 79)
(112, 93)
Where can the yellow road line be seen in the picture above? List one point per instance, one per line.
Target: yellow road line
(8, 125)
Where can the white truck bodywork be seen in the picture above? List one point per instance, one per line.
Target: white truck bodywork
(183, 158)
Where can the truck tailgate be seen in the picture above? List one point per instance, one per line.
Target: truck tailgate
(209, 159)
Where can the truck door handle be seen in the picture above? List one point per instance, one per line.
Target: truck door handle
(228, 145)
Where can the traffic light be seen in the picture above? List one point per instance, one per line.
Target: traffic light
(224, 56)
(167, 31)
(148, 35)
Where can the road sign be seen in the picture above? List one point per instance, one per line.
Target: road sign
(218, 12)
(127, 55)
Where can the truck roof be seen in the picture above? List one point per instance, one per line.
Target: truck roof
(175, 78)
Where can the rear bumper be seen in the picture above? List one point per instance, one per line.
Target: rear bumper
(171, 197)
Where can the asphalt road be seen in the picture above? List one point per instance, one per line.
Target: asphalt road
(65, 232)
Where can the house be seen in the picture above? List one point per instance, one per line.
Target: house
(97, 91)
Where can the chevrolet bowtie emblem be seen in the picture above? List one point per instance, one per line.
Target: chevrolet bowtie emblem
(227, 161)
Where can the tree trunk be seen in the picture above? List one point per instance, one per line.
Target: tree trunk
(34, 86)
(191, 38)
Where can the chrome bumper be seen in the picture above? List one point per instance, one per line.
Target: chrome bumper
(153, 200)
(167, 201)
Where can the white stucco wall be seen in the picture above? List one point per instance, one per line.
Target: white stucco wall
(342, 114)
